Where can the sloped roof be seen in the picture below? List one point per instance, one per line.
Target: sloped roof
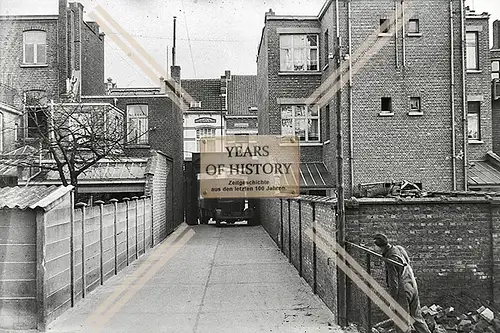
(205, 90)
(242, 94)
(31, 196)
(313, 175)
(483, 173)
(110, 170)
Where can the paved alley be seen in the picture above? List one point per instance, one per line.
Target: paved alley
(204, 279)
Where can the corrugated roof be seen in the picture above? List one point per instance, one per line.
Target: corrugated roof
(124, 169)
(31, 196)
(314, 175)
(206, 91)
(483, 173)
(241, 95)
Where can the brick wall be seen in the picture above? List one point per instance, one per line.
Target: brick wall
(19, 76)
(479, 87)
(414, 147)
(290, 225)
(452, 242)
(92, 60)
(165, 135)
(272, 85)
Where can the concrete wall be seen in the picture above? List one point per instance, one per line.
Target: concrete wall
(41, 255)
(18, 290)
(452, 242)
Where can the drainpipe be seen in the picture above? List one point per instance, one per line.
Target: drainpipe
(464, 97)
(342, 306)
(351, 142)
(452, 97)
(396, 34)
(403, 37)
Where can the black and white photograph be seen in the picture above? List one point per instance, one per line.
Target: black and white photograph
(246, 166)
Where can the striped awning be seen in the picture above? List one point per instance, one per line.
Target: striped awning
(313, 175)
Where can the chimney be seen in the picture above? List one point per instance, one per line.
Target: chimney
(163, 88)
(269, 13)
(496, 34)
(110, 85)
(175, 73)
(228, 75)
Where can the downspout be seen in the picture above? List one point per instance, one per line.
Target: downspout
(341, 277)
(464, 97)
(452, 97)
(396, 35)
(403, 37)
(351, 142)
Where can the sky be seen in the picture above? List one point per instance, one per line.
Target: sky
(212, 35)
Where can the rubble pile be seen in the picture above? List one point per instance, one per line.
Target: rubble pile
(447, 320)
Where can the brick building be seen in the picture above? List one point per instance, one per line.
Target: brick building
(52, 55)
(153, 122)
(241, 118)
(495, 76)
(408, 82)
(205, 114)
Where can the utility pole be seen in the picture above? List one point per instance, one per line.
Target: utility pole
(173, 47)
(341, 277)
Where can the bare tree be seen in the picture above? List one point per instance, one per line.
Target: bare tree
(72, 137)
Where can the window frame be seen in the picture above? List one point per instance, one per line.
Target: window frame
(384, 26)
(36, 46)
(143, 138)
(478, 120)
(306, 118)
(199, 136)
(468, 47)
(414, 20)
(417, 110)
(382, 109)
(308, 61)
(495, 72)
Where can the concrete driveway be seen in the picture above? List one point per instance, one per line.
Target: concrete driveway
(204, 279)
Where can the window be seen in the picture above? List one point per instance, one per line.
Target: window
(414, 26)
(195, 104)
(34, 47)
(495, 69)
(472, 50)
(386, 105)
(300, 120)
(36, 118)
(203, 132)
(299, 52)
(474, 121)
(384, 26)
(137, 124)
(415, 105)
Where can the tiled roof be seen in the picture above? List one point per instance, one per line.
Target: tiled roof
(242, 94)
(205, 90)
(30, 196)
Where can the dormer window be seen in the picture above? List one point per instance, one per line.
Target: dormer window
(252, 109)
(195, 104)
